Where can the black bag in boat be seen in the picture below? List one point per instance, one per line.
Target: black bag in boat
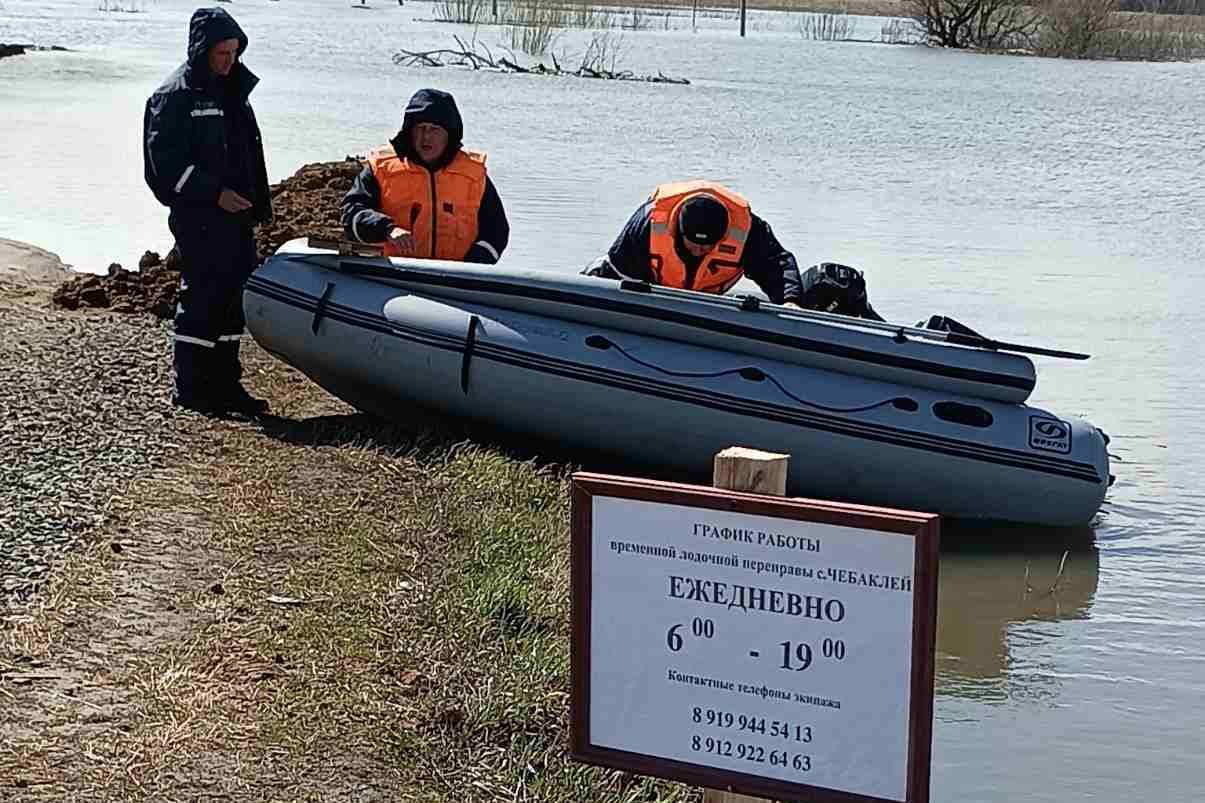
(831, 287)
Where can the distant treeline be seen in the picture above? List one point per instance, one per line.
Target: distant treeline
(1164, 6)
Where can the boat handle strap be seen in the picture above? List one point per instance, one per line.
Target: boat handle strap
(320, 307)
(469, 340)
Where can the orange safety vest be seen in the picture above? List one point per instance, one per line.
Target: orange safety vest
(439, 209)
(720, 269)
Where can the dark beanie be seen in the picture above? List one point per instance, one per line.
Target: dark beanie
(703, 220)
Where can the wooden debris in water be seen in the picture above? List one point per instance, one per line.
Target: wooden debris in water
(478, 56)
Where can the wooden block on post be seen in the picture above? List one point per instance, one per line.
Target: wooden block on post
(740, 469)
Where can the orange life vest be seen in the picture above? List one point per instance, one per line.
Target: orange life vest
(439, 209)
(719, 269)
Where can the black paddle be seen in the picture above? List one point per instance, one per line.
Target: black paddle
(964, 335)
(1000, 345)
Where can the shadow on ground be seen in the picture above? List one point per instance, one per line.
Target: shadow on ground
(428, 436)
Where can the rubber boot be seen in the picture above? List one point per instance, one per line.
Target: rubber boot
(192, 378)
(228, 374)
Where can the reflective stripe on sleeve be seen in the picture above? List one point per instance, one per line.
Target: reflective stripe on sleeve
(355, 230)
(493, 251)
(184, 177)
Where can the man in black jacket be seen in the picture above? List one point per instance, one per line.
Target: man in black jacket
(423, 195)
(204, 160)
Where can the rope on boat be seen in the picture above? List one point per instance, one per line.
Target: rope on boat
(753, 375)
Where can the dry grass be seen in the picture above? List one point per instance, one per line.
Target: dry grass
(157, 667)
(582, 14)
(877, 8)
(318, 607)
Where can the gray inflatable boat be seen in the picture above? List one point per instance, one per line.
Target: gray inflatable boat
(870, 412)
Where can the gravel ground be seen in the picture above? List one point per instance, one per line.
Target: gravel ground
(83, 408)
(84, 394)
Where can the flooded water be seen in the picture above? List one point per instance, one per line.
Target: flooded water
(1040, 201)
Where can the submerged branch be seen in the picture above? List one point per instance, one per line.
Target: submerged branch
(476, 55)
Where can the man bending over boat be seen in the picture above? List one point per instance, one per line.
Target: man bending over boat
(423, 195)
(699, 235)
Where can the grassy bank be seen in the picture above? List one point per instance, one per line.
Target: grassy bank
(317, 607)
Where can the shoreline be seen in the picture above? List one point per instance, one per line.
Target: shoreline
(314, 606)
(191, 607)
(271, 609)
(21, 259)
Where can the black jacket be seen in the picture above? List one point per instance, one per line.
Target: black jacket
(199, 133)
(359, 213)
(763, 259)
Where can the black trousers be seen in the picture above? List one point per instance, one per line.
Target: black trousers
(217, 255)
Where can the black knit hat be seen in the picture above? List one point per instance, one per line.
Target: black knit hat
(703, 220)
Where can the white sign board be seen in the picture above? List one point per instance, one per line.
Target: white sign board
(764, 639)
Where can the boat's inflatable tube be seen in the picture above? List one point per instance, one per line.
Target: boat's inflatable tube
(672, 402)
(741, 325)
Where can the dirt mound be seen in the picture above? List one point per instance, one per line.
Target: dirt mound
(152, 288)
(306, 204)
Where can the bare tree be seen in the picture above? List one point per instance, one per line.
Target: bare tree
(1075, 28)
(993, 24)
(1194, 7)
(1095, 29)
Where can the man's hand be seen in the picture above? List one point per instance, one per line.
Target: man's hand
(402, 240)
(791, 304)
(232, 202)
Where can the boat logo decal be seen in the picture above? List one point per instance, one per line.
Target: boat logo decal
(1049, 434)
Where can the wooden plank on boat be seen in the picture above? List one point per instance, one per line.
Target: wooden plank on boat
(346, 248)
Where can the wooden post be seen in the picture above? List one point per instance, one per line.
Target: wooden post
(694, 13)
(740, 469)
(742, 18)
